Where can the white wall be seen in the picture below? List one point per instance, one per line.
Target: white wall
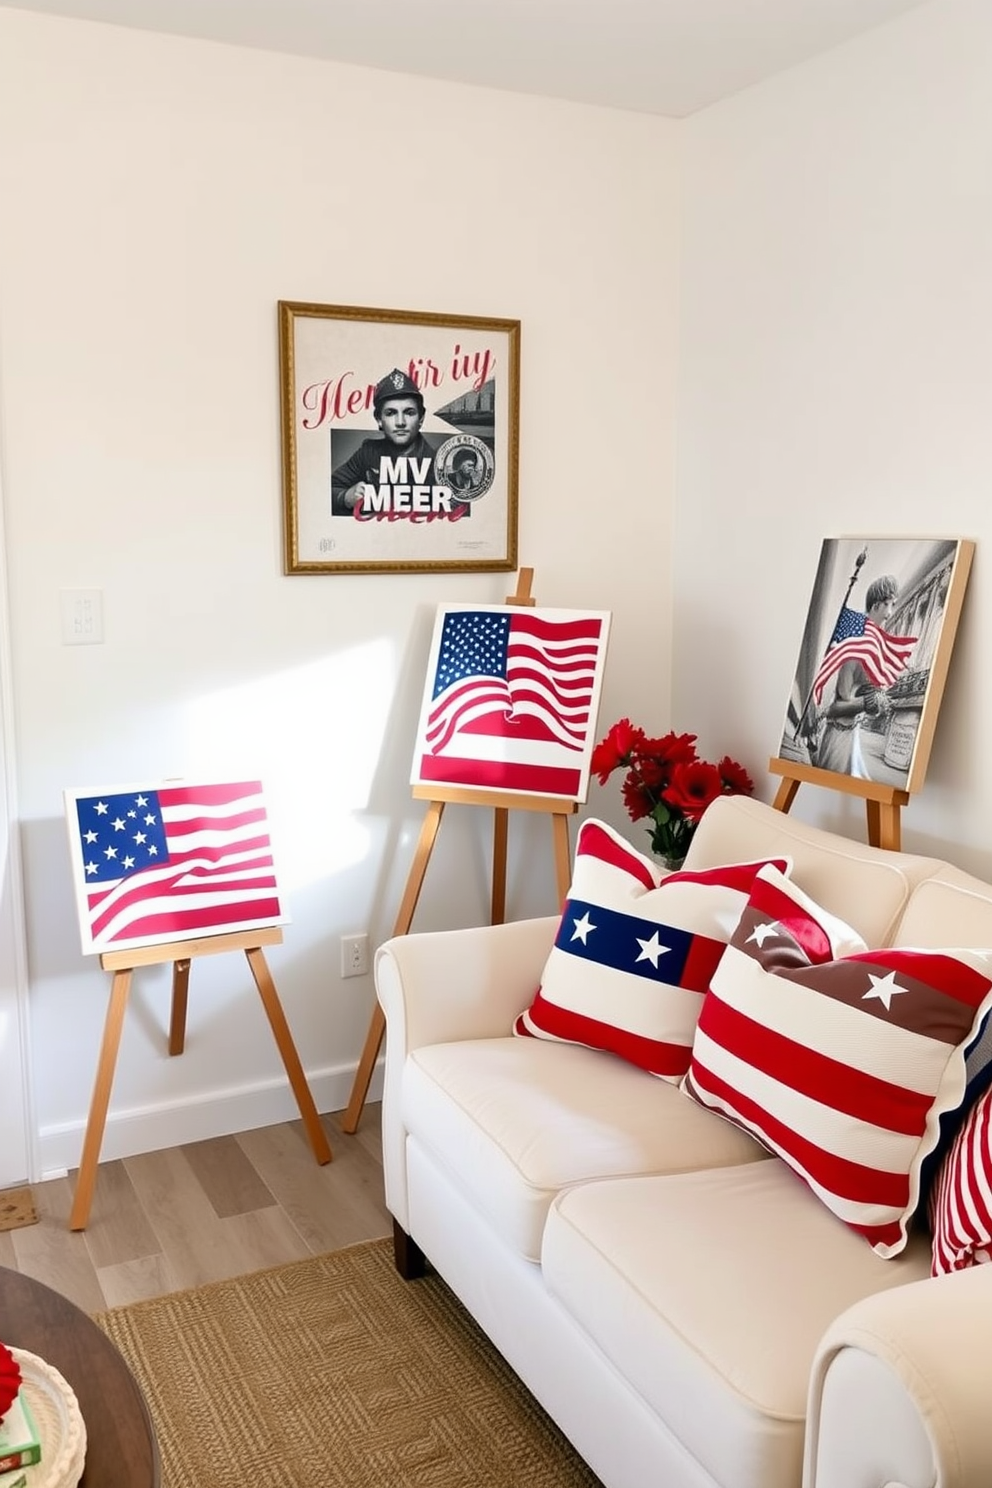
(836, 379)
(157, 198)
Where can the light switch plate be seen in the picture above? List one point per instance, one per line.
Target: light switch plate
(82, 616)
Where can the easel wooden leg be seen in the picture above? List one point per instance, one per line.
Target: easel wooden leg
(363, 1074)
(377, 1025)
(785, 795)
(284, 1040)
(180, 997)
(883, 804)
(501, 817)
(97, 1120)
(181, 953)
(422, 856)
(872, 812)
(884, 825)
(563, 861)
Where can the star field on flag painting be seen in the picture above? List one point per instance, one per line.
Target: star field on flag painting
(511, 700)
(170, 862)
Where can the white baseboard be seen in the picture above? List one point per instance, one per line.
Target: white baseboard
(218, 1114)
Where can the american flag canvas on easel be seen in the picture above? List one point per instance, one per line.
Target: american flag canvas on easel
(511, 700)
(173, 861)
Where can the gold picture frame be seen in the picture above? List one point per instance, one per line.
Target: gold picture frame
(399, 440)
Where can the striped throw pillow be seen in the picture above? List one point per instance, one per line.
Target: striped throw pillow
(978, 1068)
(961, 1198)
(634, 952)
(839, 1058)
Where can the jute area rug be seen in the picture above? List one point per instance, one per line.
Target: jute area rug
(333, 1372)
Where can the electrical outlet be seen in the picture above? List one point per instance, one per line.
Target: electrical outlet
(354, 955)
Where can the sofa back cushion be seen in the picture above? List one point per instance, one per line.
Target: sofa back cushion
(868, 887)
(950, 908)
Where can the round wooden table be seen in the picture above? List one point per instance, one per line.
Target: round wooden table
(121, 1450)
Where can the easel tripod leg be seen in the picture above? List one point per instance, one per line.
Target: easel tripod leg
(180, 999)
(97, 1119)
(497, 904)
(284, 1040)
(884, 825)
(363, 1074)
(785, 795)
(563, 865)
(377, 1025)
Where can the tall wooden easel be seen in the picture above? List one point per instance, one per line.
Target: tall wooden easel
(181, 954)
(502, 804)
(882, 802)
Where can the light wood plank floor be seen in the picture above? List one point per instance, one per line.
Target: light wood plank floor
(205, 1211)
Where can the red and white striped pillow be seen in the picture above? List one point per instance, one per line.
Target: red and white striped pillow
(961, 1197)
(838, 1058)
(635, 952)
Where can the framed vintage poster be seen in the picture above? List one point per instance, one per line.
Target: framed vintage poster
(399, 440)
(874, 657)
(511, 700)
(170, 860)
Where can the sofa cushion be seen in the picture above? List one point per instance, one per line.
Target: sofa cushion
(841, 1063)
(950, 908)
(517, 1120)
(709, 1292)
(961, 1198)
(634, 953)
(868, 887)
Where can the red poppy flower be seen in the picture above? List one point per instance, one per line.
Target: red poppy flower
(654, 774)
(636, 799)
(736, 780)
(616, 749)
(694, 786)
(671, 749)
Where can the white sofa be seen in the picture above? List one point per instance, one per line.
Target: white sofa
(682, 1305)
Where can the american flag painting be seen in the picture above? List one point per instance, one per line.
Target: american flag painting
(511, 699)
(170, 862)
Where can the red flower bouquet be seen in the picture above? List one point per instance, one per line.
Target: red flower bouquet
(10, 1380)
(666, 781)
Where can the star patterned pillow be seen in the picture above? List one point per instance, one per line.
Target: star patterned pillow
(839, 1058)
(635, 952)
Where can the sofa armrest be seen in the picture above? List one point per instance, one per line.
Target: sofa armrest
(899, 1389)
(441, 986)
(444, 985)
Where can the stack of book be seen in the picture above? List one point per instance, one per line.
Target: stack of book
(20, 1442)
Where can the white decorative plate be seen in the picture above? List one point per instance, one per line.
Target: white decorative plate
(60, 1424)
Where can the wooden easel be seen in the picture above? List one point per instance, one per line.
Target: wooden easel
(882, 802)
(502, 804)
(181, 954)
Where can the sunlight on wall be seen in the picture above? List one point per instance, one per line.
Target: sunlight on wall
(313, 735)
